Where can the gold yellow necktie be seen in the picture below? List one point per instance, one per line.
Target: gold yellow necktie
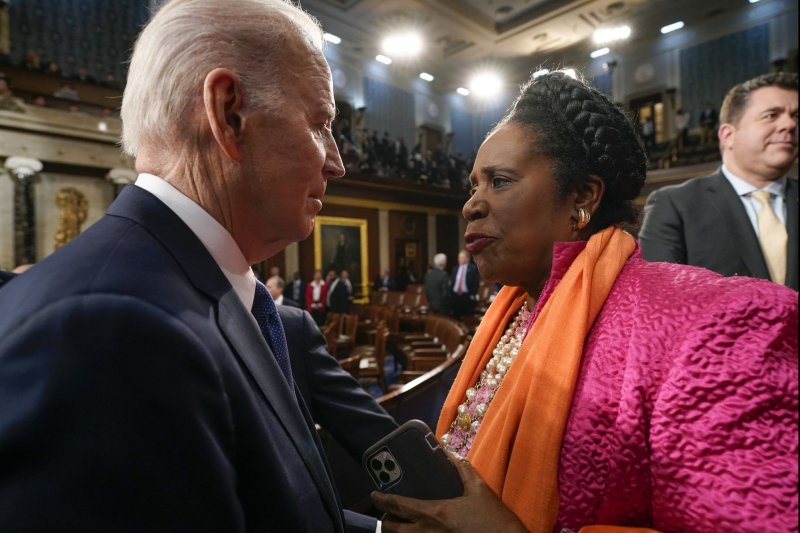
(773, 237)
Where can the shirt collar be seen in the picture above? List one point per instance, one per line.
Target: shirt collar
(215, 238)
(744, 188)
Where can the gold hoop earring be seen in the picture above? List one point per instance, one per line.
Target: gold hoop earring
(583, 219)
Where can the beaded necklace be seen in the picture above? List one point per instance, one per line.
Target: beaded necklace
(471, 412)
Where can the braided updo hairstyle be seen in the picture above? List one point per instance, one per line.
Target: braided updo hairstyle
(583, 133)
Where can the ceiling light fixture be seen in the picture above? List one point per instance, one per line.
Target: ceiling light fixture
(607, 35)
(672, 27)
(425, 76)
(380, 58)
(571, 72)
(331, 38)
(485, 84)
(599, 53)
(462, 91)
(407, 44)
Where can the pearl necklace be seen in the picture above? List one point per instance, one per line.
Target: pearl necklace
(470, 413)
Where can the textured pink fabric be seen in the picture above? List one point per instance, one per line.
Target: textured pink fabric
(684, 416)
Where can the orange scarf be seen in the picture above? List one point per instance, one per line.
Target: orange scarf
(519, 461)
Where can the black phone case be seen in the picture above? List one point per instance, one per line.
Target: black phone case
(410, 462)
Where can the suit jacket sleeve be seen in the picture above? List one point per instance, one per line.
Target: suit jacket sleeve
(662, 234)
(127, 446)
(336, 400)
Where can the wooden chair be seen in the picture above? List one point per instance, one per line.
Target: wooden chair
(371, 365)
(346, 340)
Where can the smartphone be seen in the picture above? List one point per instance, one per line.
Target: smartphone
(410, 462)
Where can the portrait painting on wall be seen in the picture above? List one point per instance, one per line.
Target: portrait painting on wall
(341, 244)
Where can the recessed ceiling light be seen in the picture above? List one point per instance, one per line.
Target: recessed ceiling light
(485, 84)
(331, 38)
(425, 76)
(607, 35)
(571, 72)
(599, 53)
(462, 91)
(380, 58)
(407, 44)
(672, 27)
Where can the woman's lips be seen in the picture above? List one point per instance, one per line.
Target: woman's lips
(476, 242)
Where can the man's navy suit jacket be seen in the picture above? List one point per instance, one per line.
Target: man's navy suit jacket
(473, 278)
(703, 223)
(138, 394)
(337, 402)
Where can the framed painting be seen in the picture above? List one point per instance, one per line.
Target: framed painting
(341, 244)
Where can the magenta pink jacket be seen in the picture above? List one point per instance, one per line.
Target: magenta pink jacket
(684, 416)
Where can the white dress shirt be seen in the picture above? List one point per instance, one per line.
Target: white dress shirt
(752, 206)
(215, 238)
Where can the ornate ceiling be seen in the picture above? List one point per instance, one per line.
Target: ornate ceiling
(517, 35)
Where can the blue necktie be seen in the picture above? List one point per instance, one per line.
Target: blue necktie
(270, 324)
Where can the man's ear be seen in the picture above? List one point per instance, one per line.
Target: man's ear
(726, 133)
(222, 100)
(590, 193)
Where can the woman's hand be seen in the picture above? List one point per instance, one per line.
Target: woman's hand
(478, 510)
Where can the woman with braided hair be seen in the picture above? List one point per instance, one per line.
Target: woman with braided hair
(603, 393)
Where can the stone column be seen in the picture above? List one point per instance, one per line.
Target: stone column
(120, 177)
(24, 170)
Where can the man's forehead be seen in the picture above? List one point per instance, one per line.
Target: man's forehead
(767, 97)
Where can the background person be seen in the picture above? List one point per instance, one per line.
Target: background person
(718, 222)
(275, 286)
(316, 296)
(601, 389)
(437, 286)
(465, 285)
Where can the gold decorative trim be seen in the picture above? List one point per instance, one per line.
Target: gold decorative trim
(392, 206)
(359, 223)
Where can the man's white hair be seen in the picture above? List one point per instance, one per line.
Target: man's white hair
(185, 40)
(440, 261)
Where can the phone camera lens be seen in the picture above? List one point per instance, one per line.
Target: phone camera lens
(384, 477)
(376, 464)
(389, 465)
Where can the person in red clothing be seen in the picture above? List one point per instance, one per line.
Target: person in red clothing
(316, 293)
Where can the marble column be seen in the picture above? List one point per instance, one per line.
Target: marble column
(120, 177)
(24, 171)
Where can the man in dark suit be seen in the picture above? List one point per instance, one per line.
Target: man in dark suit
(743, 219)
(465, 285)
(337, 402)
(384, 282)
(437, 286)
(275, 287)
(340, 294)
(296, 289)
(139, 390)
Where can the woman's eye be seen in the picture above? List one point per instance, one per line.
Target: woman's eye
(499, 182)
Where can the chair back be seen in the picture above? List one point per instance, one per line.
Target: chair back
(349, 326)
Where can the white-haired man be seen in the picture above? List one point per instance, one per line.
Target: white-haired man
(437, 286)
(138, 390)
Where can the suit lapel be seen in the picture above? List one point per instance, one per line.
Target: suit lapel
(241, 330)
(791, 229)
(732, 215)
(236, 323)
